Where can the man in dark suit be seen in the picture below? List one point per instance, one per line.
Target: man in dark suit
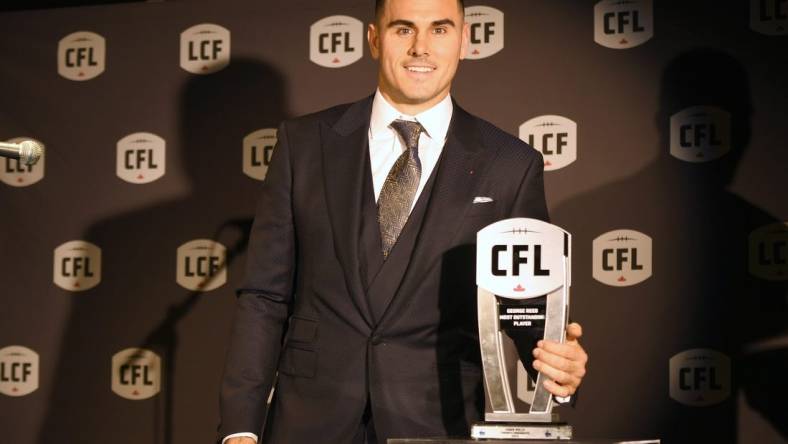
(360, 289)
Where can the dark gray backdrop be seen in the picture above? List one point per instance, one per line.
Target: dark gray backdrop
(698, 215)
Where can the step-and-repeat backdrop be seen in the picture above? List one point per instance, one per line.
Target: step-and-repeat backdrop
(663, 127)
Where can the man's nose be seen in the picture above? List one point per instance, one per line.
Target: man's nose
(419, 47)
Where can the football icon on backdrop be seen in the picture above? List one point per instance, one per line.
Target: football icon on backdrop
(623, 24)
(201, 265)
(622, 258)
(136, 373)
(336, 41)
(700, 134)
(205, 48)
(555, 137)
(18, 370)
(77, 265)
(16, 173)
(768, 258)
(486, 31)
(258, 147)
(81, 56)
(700, 377)
(769, 17)
(141, 158)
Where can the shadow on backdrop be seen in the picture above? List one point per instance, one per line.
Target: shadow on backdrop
(700, 294)
(139, 303)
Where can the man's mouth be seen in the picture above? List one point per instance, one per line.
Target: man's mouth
(420, 68)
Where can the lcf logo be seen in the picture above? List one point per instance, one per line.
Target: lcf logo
(700, 134)
(555, 137)
(140, 158)
(769, 17)
(486, 31)
(700, 377)
(622, 258)
(201, 265)
(769, 252)
(77, 266)
(336, 41)
(258, 147)
(622, 24)
(16, 173)
(205, 48)
(18, 370)
(136, 373)
(81, 56)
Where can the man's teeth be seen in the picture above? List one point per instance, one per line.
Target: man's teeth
(420, 68)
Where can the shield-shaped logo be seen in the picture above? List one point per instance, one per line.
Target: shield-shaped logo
(486, 31)
(623, 24)
(205, 48)
(555, 137)
(141, 158)
(81, 56)
(336, 41)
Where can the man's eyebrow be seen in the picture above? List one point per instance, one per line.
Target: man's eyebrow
(410, 24)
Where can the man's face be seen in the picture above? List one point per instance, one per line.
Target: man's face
(419, 44)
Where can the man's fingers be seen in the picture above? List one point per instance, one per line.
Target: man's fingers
(571, 351)
(573, 331)
(559, 376)
(558, 390)
(558, 362)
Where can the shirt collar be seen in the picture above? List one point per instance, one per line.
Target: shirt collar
(434, 120)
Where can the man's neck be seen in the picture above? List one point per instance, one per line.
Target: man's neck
(412, 109)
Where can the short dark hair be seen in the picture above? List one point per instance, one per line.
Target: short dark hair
(380, 3)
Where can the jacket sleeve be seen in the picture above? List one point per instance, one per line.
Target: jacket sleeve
(263, 301)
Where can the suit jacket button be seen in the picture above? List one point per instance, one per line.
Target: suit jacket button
(375, 340)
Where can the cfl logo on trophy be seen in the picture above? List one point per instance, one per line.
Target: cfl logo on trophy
(81, 56)
(18, 370)
(258, 147)
(205, 48)
(514, 260)
(622, 24)
(336, 41)
(140, 158)
(622, 258)
(768, 258)
(700, 134)
(136, 373)
(700, 377)
(769, 17)
(555, 137)
(486, 31)
(17, 174)
(77, 265)
(201, 265)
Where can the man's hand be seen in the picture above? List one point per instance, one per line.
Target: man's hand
(241, 440)
(563, 364)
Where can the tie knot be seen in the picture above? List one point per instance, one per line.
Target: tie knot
(409, 131)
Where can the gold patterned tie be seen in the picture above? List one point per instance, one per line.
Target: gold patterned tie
(400, 186)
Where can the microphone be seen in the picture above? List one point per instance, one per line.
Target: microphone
(27, 151)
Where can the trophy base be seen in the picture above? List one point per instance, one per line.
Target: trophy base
(521, 430)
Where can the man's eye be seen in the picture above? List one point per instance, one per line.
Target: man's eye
(440, 31)
(404, 31)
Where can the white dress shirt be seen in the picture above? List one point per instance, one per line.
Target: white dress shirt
(385, 146)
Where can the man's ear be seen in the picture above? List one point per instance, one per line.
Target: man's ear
(465, 35)
(373, 38)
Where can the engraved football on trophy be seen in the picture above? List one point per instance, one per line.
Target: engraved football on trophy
(523, 275)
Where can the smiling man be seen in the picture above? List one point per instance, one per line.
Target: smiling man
(359, 296)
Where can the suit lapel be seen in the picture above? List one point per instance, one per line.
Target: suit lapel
(343, 147)
(462, 163)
